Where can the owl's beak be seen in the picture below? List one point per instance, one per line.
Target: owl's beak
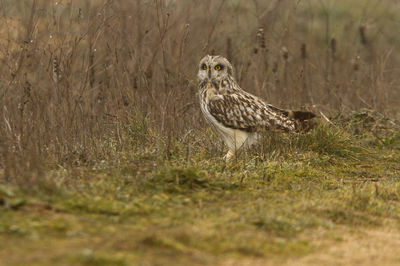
(209, 73)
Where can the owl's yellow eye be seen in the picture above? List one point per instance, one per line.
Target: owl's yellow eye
(218, 67)
(204, 67)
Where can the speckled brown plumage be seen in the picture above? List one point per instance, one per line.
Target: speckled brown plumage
(235, 114)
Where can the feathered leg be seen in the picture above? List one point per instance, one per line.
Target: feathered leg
(229, 156)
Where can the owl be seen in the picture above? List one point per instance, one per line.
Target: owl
(235, 115)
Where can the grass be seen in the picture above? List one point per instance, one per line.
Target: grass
(200, 211)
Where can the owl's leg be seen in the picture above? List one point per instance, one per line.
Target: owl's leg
(229, 156)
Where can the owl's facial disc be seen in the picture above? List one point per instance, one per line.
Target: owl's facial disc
(213, 68)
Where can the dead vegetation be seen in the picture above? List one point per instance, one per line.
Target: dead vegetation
(74, 75)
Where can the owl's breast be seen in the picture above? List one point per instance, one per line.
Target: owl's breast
(206, 95)
(209, 93)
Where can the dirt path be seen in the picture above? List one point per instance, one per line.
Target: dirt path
(371, 247)
(368, 247)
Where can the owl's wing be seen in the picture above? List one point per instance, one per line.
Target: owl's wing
(246, 112)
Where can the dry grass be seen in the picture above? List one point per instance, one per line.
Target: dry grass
(74, 74)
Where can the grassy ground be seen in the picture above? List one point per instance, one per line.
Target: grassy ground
(295, 199)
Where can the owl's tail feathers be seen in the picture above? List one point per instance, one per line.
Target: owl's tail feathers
(304, 119)
(300, 115)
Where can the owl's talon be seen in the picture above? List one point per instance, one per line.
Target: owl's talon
(229, 156)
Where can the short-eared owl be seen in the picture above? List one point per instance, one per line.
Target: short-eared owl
(235, 115)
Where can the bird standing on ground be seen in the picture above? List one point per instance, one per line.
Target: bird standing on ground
(235, 115)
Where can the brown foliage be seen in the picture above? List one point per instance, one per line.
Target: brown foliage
(74, 73)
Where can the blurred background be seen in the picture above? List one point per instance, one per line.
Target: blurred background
(75, 76)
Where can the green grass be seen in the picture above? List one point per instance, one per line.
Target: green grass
(190, 208)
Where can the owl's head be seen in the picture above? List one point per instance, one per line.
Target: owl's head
(214, 68)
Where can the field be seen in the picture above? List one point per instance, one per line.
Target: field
(105, 158)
